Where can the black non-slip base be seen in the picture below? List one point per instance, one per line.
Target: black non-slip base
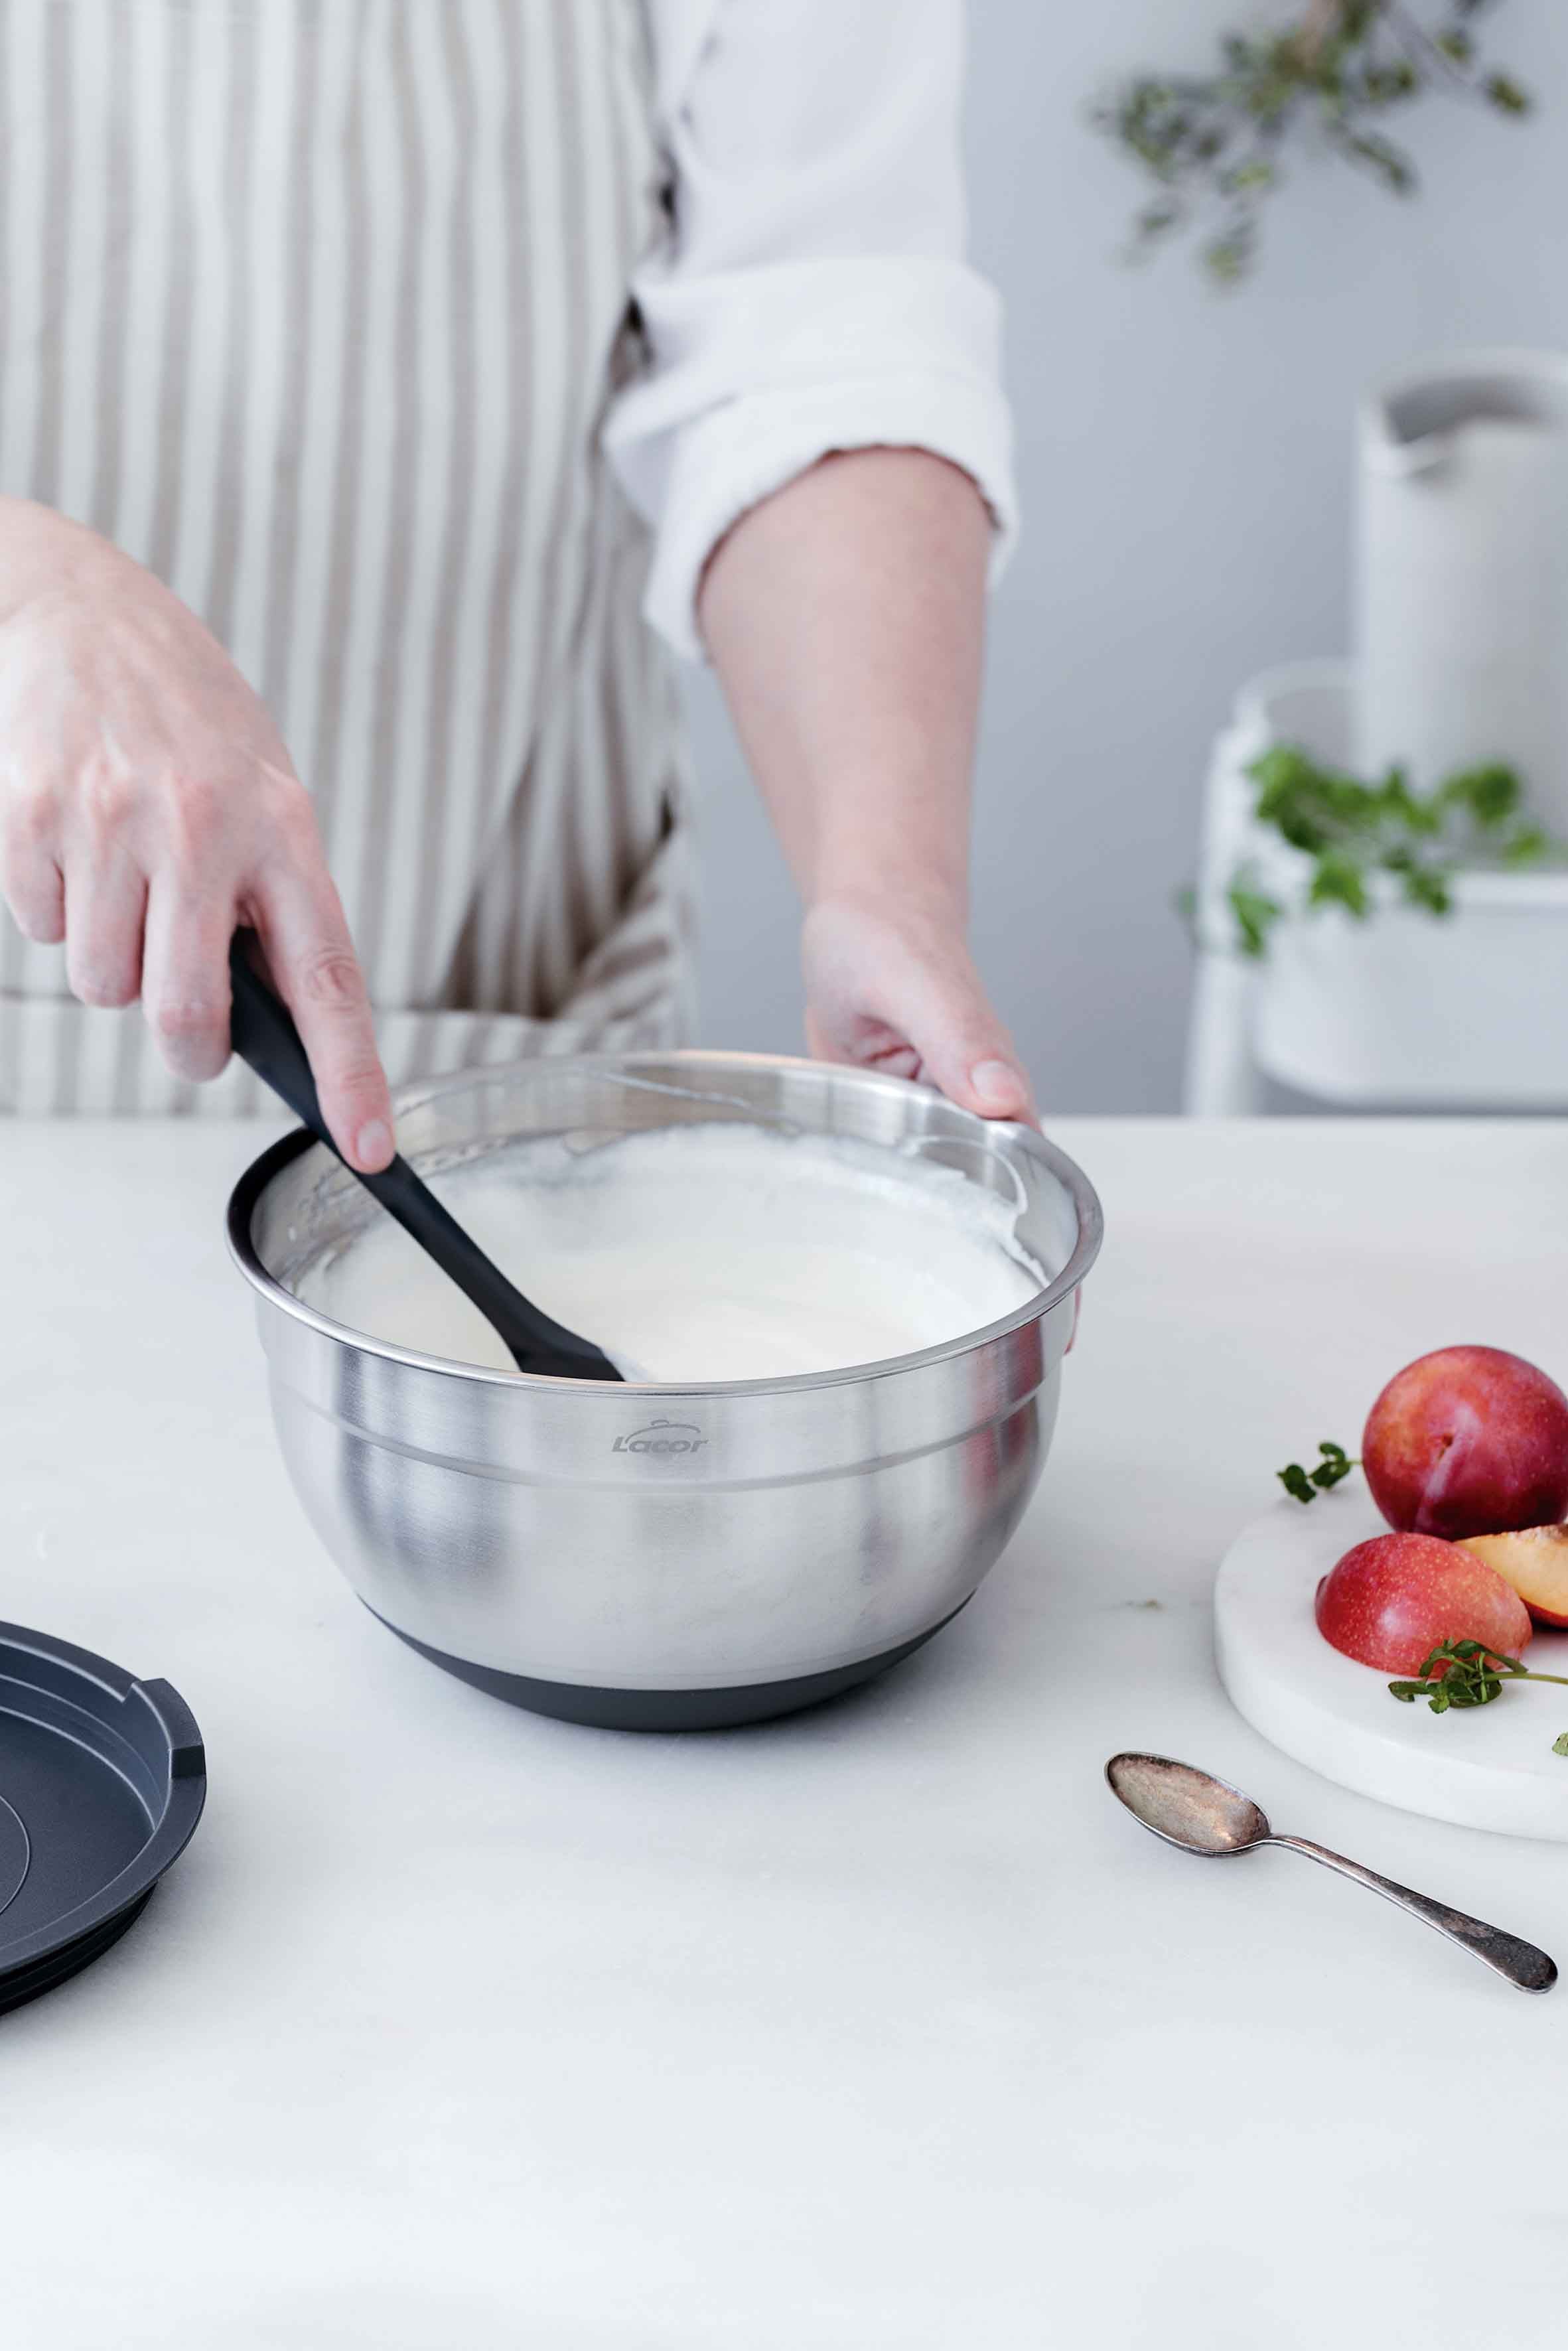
(19, 1985)
(667, 1709)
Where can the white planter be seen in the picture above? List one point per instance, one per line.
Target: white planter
(1467, 1010)
(1461, 570)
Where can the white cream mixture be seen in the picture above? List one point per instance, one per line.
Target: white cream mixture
(701, 1253)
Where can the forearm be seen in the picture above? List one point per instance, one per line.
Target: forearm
(845, 618)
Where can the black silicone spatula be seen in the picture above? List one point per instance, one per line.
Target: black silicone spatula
(264, 1036)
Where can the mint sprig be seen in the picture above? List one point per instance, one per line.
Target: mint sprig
(1351, 832)
(1306, 1485)
(1467, 1673)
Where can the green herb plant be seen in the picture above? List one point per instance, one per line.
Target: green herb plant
(1306, 1485)
(1215, 144)
(1467, 1673)
(1353, 831)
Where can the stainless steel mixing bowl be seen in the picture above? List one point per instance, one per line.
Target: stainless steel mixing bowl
(664, 1557)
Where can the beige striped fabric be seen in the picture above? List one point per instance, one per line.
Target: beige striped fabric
(313, 306)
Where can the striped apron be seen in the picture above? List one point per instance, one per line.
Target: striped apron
(313, 306)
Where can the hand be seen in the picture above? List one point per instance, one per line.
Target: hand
(148, 807)
(898, 992)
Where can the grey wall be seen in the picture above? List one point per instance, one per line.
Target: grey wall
(1184, 462)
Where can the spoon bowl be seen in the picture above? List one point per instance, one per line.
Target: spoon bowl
(1186, 1807)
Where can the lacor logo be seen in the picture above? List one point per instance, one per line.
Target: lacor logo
(662, 1437)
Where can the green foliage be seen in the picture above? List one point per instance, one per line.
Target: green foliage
(1353, 831)
(1306, 1485)
(1467, 1673)
(1457, 1674)
(1255, 915)
(1213, 143)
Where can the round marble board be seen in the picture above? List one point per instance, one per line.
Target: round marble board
(1488, 1767)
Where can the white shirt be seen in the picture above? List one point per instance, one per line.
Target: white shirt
(812, 293)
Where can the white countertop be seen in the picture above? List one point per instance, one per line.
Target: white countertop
(457, 2029)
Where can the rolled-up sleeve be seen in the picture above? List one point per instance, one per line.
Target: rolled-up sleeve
(812, 293)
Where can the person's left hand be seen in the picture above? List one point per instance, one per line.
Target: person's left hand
(897, 991)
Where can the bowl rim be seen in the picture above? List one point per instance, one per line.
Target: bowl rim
(248, 1193)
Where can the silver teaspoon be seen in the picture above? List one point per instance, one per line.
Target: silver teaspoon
(1202, 1814)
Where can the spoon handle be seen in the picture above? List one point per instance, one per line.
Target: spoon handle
(1519, 1961)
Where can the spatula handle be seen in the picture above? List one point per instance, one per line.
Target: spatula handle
(263, 1033)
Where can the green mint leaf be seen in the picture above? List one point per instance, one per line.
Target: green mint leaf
(1560, 1744)
(1335, 1465)
(1528, 846)
(1255, 916)
(1339, 879)
(1389, 164)
(1306, 1485)
(1506, 95)
(1489, 794)
(1469, 1689)
(1427, 886)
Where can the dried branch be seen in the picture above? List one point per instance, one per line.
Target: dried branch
(1213, 145)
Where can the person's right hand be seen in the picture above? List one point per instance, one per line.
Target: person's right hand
(149, 807)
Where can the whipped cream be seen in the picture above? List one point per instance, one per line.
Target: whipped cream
(701, 1253)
